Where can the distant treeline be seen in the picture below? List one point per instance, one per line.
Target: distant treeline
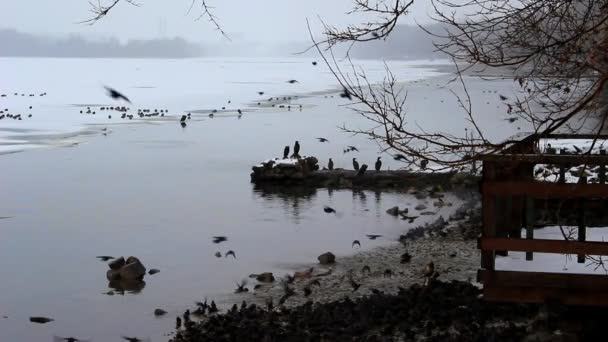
(18, 44)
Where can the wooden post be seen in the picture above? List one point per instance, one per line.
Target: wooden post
(562, 169)
(529, 223)
(582, 231)
(602, 175)
(489, 218)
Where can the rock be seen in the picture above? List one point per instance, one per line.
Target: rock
(266, 277)
(117, 263)
(406, 258)
(404, 211)
(438, 204)
(153, 271)
(327, 258)
(394, 211)
(133, 269)
(113, 275)
(420, 207)
(159, 312)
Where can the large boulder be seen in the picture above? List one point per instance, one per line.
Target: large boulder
(327, 258)
(113, 275)
(117, 263)
(134, 269)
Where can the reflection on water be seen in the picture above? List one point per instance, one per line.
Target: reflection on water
(132, 286)
(294, 199)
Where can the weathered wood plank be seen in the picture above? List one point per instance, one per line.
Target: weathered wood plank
(542, 295)
(544, 246)
(588, 282)
(543, 190)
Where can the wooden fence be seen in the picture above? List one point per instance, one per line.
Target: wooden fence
(510, 196)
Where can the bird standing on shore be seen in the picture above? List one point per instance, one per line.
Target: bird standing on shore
(362, 170)
(286, 152)
(355, 164)
(378, 164)
(330, 165)
(296, 149)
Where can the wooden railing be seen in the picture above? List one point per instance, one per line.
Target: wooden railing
(510, 193)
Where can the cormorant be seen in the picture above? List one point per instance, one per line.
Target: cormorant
(296, 149)
(330, 165)
(378, 164)
(184, 117)
(286, 152)
(362, 170)
(355, 164)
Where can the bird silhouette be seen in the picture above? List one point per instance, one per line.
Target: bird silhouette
(362, 170)
(178, 323)
(296, 149)
(356, 242)
(355, 164)
(105, 257)
(322, 140)
(409, 219)
(292, 81)
(260, 93)
(314, 62)
(350, 149)
(378, 164)
(329, 210)
(373, 236)
(286, 152)
(502, 97)
(218, 254)
(183, 118)
(114, 94)
(40, 319)
(219, 239)
(346, 94)
(330, 164)
(68, 339)
(230, 252)
(241, 287)
(132, 339)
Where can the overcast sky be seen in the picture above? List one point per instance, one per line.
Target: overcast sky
(244, 20)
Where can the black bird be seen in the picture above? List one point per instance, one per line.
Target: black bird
(213, 307)
(260, 93)
(378, 164)
(503, 98)
(286, 152)
(346, 94)
(424, 163)
(399, 157)
(219, 239)
(292, 81)
(307, 291)
(178, 323)
(183, 119)
(131, 339)
(240, 288)
(355, 164)
(105, 257)
(356, 242)
(116, 95)
(296, 149)
(239, 111)
(67, 339)
(354, 284)
(330, 165)
(373, 236)
(329, 210)
(314, 62)
(40, 320)
(577, 149)
(231, 252)
(410, 219)
(350, 149)
(183, 124)
(322, 140)
(362, 170)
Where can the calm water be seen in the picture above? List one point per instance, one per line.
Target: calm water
(160, 192)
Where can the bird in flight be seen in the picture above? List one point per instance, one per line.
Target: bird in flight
(219, 239)
(350, 149)
(356, 242)
(322, 140)
(329, 210)
(230, 252)
(105, 257)
(113, 93)
(346, 94)
(292, 81)
(373, 236)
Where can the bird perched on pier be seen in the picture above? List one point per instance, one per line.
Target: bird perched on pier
(330, 165)
(355, 164)
(286, 152)
(378, 164)
(356, 242)
(113, 93)
(362, 170)
(296, 149)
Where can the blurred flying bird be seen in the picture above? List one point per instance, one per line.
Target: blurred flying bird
(113, 93)
(329, 210)
(219, 239)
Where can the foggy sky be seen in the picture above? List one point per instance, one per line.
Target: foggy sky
(274, 21)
